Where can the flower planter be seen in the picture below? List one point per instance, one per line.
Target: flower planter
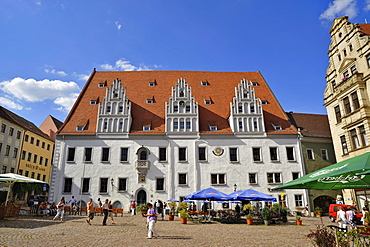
(299, 222)
(171, 217)
(267, 222)
(184, 220)
(250, 221)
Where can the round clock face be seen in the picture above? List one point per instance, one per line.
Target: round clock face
(218, 151)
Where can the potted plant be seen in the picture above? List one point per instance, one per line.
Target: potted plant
(266, 215)
(172, 211)
(249, 219)
(249, 207)
(184, 216)
(142, 208)
(298, 220)
(318, 211)
(284, 214)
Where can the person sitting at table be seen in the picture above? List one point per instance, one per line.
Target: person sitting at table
(237, 209)
(53, 209)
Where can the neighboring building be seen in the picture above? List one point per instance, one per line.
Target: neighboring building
(50, 126)
(347, 94)
(317, 152)
(24, 148)
(157, 135)
(11, 137)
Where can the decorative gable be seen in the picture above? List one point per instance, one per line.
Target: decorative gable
(181, 110)
(246, 116)
(114, 114)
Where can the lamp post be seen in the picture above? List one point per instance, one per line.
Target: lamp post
(112, 182)
(235, 186)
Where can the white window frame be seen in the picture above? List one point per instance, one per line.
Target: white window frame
(255, 177)
(218, 178)
(326, 154)
(310, 150)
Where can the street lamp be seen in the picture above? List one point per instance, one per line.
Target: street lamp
(112, 182)
(235, 187)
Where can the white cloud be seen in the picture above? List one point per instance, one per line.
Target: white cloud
(38, 3)
(81, 77)
(10, 104)
(66, 102)
(124, 65)
(53, 71)
(118, 25)
(340, 7)
(37, 91)
(367, 7)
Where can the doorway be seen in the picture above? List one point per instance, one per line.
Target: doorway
(141, 197)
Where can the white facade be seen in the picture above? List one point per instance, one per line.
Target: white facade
(122, 167)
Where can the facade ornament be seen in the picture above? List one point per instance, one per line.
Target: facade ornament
(218, 151)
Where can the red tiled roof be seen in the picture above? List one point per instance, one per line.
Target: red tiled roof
(313, 125)
(365, 28)
(221, 90)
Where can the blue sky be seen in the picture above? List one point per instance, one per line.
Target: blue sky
(49, 48)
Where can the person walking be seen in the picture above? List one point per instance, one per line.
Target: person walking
(105, 211)
(110, 211)
(60, 210)
(90, 211)
(151, 220)
(133, 206)
(341, 219)
(350, 215)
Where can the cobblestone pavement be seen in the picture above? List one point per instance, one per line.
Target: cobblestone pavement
(131, 231)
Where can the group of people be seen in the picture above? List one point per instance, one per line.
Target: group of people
(346, 218)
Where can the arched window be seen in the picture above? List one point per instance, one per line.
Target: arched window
(142, 155)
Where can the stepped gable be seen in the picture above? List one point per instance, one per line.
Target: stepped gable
(221, 90)
(311, 125)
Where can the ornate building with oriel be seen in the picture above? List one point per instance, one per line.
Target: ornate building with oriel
(146, 136)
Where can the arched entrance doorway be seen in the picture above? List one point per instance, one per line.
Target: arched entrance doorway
(141, 197)
(323, 202)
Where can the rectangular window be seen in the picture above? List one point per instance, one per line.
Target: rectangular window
(354, 138)
(7, 150)
(11, 131)
(240, 109)
(19, 134)
(355, 101)
(71, 154)
(252, 178)
(46, 161)
(256, 154)
(324, 154)
(48, 147)
(37, 142)
(3, 128)
(23, 155)
(202, 153)
(124, 154)
(363, 136)
(29, 157)
(182, 154)
(35, 158)
(20, 172)
(337, 114)
(67, 185)
(290, 153)
(310, 154)
(175, 125)
(122, 184)
(103, 185)
(273, 178)
(85, 185)
(274, 154)
(182, 179)
(187, 108)
(298, 200)
(15, 153)
(12, 170)
(32, 140)
(3, 170)
(26, 173)
(41, 160)
(26, 138)
(38, 176)
(175, 108)
(368, 60)
(344, 144)
(240, 126)
(347, 105)
(218, 179)
(182, 125)
(162, 154)
(43, 145)
(43, 177)
(105, 155)
(88, 155)
(159, 186)
(233, 154)
(295, 175)
(32, 174)
(353, 69)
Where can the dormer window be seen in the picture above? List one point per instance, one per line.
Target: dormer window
(149, 101)
(212, 128)
(146, 127)
(152, 84)
(80, 128)
(204, 83)
(101, 84)
(93, 102)
(208, 102)
(276, 127)
(353, 69)
(255, 84)
(264, 102)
